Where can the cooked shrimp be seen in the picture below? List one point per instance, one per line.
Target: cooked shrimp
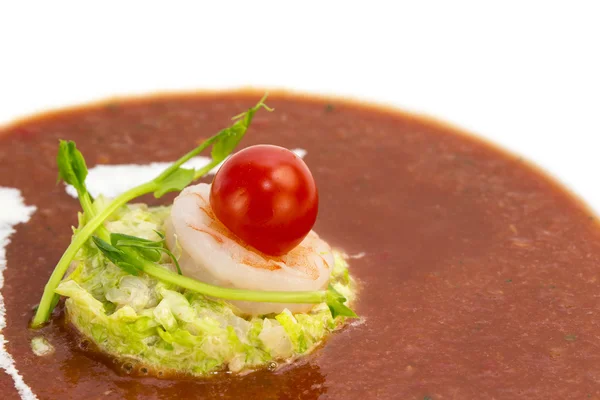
(213, 254)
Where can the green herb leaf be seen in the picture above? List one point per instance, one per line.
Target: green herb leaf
(122, 239)
(115, 255)
(227, 140)
(335, 302)
(71, 165)
(148, 252)
(149, 249)
(175, 182)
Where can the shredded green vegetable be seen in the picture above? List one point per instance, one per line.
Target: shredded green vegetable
(151, 323)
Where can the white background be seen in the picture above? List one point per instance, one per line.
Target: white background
(525, 74)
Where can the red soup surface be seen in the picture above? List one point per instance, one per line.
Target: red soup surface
(479, 276)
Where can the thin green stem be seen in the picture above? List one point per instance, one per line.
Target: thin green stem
(313, 297)
(48, 298)
(86, 204)
(206, 169)
(90, 213)
(210, 141)
(184, 159)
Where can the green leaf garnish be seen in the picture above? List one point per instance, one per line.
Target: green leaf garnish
(335, 302)
(115, 256)
(149, 249)
(122, 239)
(229, 138)
(71, 165)
(175, 182)
(73, 171)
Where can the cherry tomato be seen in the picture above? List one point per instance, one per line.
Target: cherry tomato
(267, 197)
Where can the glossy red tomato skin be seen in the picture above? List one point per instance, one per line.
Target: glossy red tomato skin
(267, 196)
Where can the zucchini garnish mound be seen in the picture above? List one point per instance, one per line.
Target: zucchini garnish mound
(164, 329)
